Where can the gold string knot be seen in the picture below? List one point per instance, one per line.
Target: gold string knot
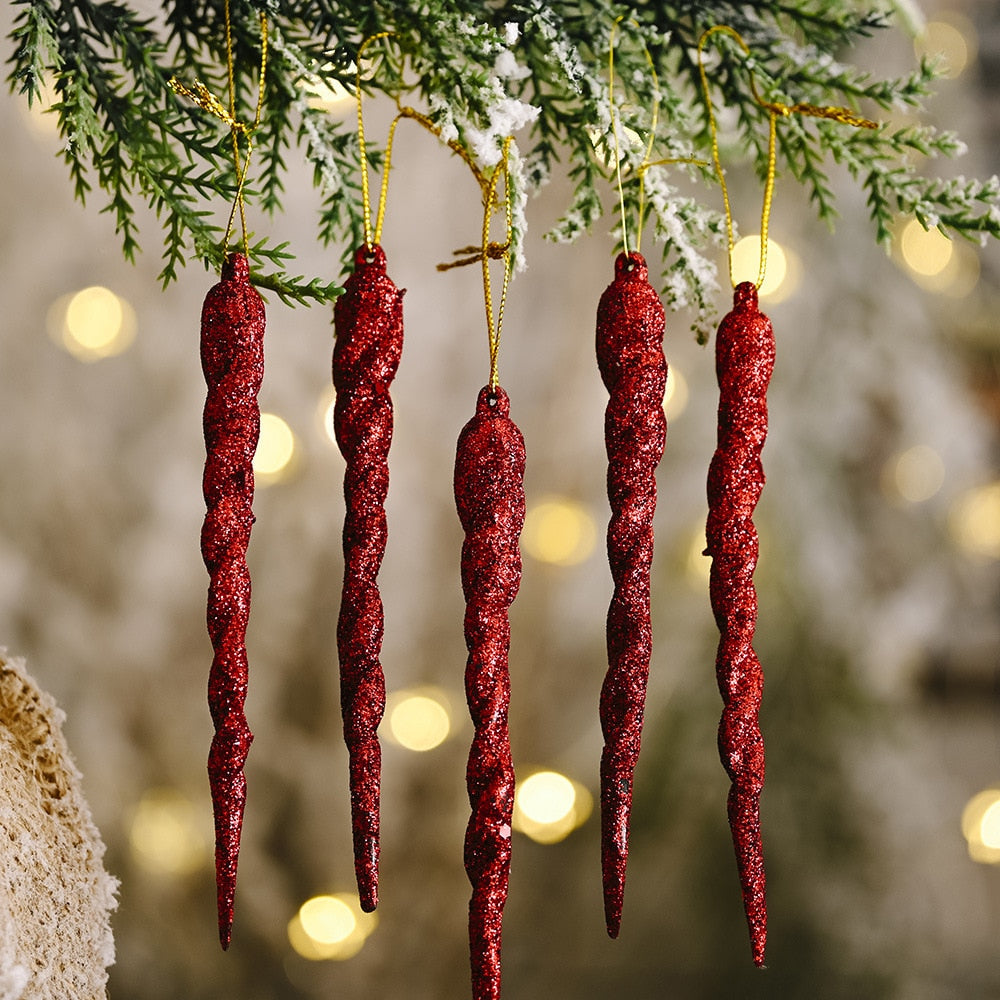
(494, 251)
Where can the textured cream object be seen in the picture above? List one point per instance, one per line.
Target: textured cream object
(55, 896)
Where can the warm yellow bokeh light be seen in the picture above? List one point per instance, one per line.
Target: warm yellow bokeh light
(546, 797)
(926, 252)
(275, 449)
(418, 720)
(166, 836)
(324, 414)
(915, 475)
(698, 564)
(675, 398)
(559, 531)
(333, 97)
(989, 826)
(953, 40)
(330, 927)
(975, 521)
(327, 919)
(604, 145)
(548, 807)
(781, 273)
(981, 826)
(93, 323)
(39, 117)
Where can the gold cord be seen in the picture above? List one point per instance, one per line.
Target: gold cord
(371, 237)
(646, 162)
(774, 109)
(614, 129)
(200, 95)
(487, 250)
(494, 329)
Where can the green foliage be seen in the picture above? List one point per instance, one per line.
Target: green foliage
(480, 70)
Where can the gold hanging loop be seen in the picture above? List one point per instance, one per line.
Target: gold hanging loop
(200, 95)
(774, 109)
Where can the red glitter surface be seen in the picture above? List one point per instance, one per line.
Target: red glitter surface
(489, 494)
(744, 353)
(368, 319)
(232, 357)
(630, 327)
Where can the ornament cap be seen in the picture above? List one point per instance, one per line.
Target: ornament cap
(493, 402)
(370, 256)
(236, 268)
(631, 266)
(745, 295)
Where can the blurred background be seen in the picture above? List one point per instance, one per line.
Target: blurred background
(879, 583)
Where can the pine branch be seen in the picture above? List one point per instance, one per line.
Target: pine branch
(479, 71)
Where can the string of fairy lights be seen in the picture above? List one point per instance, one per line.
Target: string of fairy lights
(167, 832)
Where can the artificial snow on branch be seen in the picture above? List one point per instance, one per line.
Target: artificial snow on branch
(479, 72)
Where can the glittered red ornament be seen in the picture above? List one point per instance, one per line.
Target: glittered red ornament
(489, 494)
(368, 319)
(630, 326)
(232, 357)
(744, 354)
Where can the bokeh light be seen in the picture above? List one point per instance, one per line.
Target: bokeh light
(936, 263)
(975, 521)
(559, 531)
(275, 449)
(914, 475)
(166, 835)
(330, 96)
(950, 37)
(697, 563)
(40, 118)
(418, 719)
(675, 398)
(926, 252)
(981, 826)
(604, 145)
(324, 414)
(548, 806)
(92, 324)
(781, 277)
(330, 927)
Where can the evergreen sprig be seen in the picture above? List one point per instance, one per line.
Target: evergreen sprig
(479, 70)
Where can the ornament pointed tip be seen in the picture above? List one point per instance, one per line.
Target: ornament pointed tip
(366, 870)
(613, 901)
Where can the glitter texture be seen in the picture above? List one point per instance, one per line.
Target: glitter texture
(489, 494)
(744, 360)
(630, 326)
(368, 319)
(232, 358)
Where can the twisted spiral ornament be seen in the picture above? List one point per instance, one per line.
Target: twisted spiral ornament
(744, 363)
(630, 327)
(232, 357)
(368, 319)
(489, 494)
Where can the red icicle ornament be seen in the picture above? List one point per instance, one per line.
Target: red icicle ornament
(368, 319)
(232, 357)
(630, 327)
(744, 353)
(489, 494)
